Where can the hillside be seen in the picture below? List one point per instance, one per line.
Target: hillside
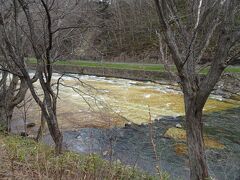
(122, 31)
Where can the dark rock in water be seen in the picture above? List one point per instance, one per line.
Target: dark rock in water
(128, 125)
(235, 97)
(30, 125)
(143, 124)
(169, 119)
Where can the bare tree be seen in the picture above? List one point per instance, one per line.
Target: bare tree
(13, 86)
(192, 30)
(38, 23)
(12, 53)
(11, 95)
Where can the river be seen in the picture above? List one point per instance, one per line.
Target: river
(119, 119)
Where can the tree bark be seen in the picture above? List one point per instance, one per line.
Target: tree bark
(5, 118)
(6, 105)
(195, 141)
(41, 128)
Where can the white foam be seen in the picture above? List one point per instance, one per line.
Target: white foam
(147, 95)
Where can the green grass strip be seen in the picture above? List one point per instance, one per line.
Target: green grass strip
(128, 66)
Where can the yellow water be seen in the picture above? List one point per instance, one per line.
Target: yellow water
(116, 101)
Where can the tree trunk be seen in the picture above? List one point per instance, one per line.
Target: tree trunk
(58, 142)
(56, 135)
(51, 119)
(41, 129)
(5, 118)
(195, 141)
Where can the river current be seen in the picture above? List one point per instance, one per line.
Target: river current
(119, 119)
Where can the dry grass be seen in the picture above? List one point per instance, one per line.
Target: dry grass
(22, 158)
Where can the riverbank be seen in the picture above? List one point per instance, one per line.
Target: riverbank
(23, 158)
(133, 74)
(133, 71)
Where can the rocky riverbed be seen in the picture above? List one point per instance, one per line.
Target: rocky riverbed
(133, 144)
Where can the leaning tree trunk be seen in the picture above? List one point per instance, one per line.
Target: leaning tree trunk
(54, 129)
(57, 136)
(195, 141)
(41, 128)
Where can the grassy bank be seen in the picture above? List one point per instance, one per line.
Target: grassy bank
(128, 66)
(23, 158)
